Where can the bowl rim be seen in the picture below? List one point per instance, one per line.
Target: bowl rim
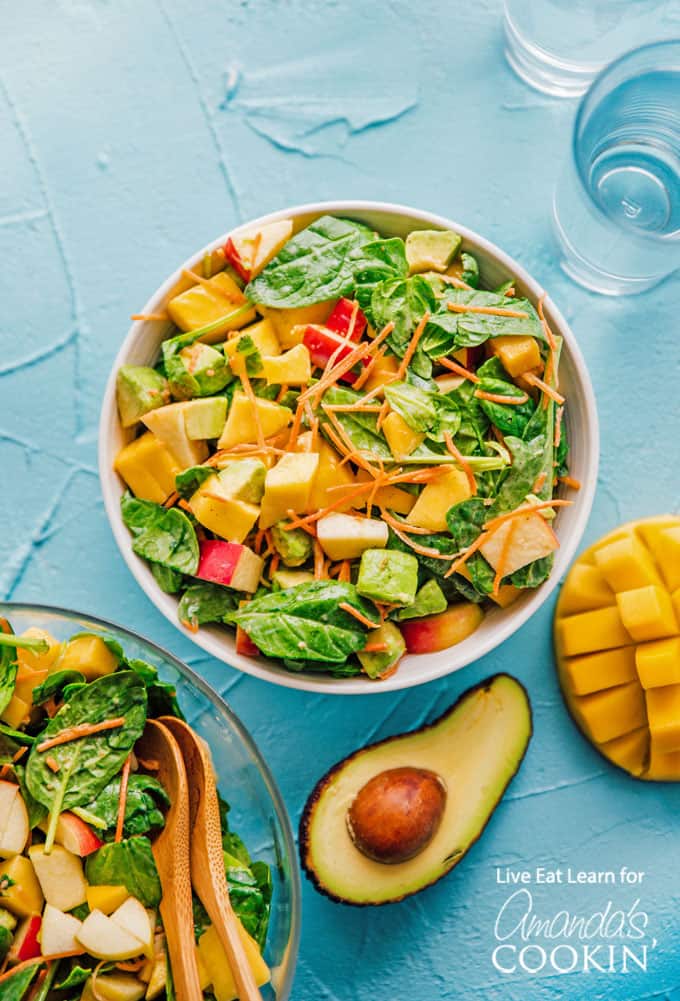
(221, 644)
(217, 699)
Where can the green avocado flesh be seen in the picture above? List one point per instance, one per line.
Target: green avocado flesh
(475, 747)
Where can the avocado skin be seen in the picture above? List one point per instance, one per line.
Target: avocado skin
(325, 780)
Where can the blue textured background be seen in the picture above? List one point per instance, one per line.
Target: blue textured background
(130, 134)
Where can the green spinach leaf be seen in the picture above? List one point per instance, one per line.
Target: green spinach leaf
(161, 695)
(168, 580)
(161, 535)
(188, 481)
(527, 461)
(534, 573)
(448, 331)
(54, 685)
(378, 262)
(143, 806)
(403, 302)
(129, 863)
(15, 987)
(206, 602)
(510, 418)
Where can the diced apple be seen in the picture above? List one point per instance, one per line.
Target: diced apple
(437, 632)
(323, 343)
(26, 944)
(436, 498)
(132, 917)
(58, 932)
(104, 939)
(89, 655)
(401, 438)
(14, 826)
(106, 898)
(250, 250)
(241, 426)
(293, 368)
(75, 835)
(168, 424)
(216, 963)
(230, 564)
(60, 875)
(346, 536)
(340, 319)
(532, 538)
(218, 304)
(21, 893)
(148, 468)
(288, 486)
(449, 383)
(114, 987)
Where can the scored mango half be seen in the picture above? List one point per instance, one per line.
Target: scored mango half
(617, 643)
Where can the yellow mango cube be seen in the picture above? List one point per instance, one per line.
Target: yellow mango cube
(647, 613)
(329, 474)
(626, 564)
(106, 898)
(23, 895)
(88, 654)
(26, 681)
(293, 368)
(391, 498)
(15, 712)
(658, 662)
(229, 518)
(587, 632)
(241, 425)
(263, 337)
(401, 438)
(217, 966)
(594, 672)
(148, 468)
(585, 589)
(507, 595)
(38, 661)
(218, 301)
(436, 498)
(630, 751)
(516, 354)
(665, 545)
(288, 486)
(663, 714)
(663, 766)
(382, 371)
(290, 324)
(610, 713)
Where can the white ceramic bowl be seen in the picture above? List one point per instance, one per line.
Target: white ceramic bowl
(141, 347)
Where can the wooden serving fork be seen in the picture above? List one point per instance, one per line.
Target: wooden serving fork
(172, 856)
(207, 858)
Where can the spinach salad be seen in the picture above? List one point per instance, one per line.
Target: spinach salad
(79, 810)
(348, 448)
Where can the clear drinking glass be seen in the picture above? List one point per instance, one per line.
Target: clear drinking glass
(617, 205)
(559, 46)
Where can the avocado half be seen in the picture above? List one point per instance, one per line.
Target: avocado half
(475, 747)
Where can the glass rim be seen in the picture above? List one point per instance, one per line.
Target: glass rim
(215, 698)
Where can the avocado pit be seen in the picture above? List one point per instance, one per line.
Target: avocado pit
(395, 815)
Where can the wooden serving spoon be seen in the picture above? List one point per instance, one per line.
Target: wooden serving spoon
(207, 858)
(171, 853)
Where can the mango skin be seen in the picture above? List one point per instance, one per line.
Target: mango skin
(636, 678)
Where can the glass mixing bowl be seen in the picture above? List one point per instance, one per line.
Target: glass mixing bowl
(257, 810)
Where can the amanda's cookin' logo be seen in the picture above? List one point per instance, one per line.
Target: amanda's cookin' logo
(611, 939)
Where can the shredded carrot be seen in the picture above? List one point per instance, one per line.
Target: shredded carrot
(122, 798)
(524, 510)
(295, 517)
(184, 505)
(358, 457)
(248, 389)
(78, 731)
(459, 369)
(413, 344)
(471, 549)
(347, 363)
(39, 959)
(52, 764)
(395, 523)
(191, 626)
(422, 550)
(503, 559)
(384, 410)
(570, 482)
(510, 293)
(499, 398)
(344, 571)
(131, 966)
(18, 755)
(539, 482)
(172, 499)
(150, 316)
(455, 281)
(462, 462)
(282, 392)
(534, 380)
(368, 369)
(356, 614)
(375, 648)
(558, 426)
(297, 424)
(549, 336)
(456, 307)
(274, 565)
(149, 764)
(5, 770)
(318, 561)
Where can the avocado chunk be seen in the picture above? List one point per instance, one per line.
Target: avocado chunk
(197, 370)
(205, 418)
(378, 663)
(472, 751)
(294, 546)
(242, 479)
(283, 579)
(431, 249)
(139, 389)
(388, 575)
(428, 601)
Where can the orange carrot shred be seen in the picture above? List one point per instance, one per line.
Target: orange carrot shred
(122, 798)
(375, 648)
(499, 398)
(355, 613)
(570, 482)
(459, 369)
(344, 571)
(413, 344)
(472, 548)
(524, 510)
(460, 459)
(318, 561)
(150, 316)
(248, 389)
(395, 523)
(81, 730)
(52, 764)
(456, 307)
(534, 380)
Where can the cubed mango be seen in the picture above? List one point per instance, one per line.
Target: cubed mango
(611, 713)
(243, 420)
(585, 589)
(401, 438)
(106, 898)
(647, 613)
(663, 713)
(587, 632)
(263, 338)
(594, 672)
(217, 301)
(148, 468)
(664, 766)
(630, 752)
(228, 518)
(437, 497)
(516, 354)
(88, 654)
(626, 564)
(658, 662)
(293, 368)
(664, 541)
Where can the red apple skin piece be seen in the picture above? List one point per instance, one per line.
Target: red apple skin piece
(76, 836)
(218, 561)
(341, 317)
(437, 632)
(244, 644)
(322, 343)
(234, 258)
(26, 944)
